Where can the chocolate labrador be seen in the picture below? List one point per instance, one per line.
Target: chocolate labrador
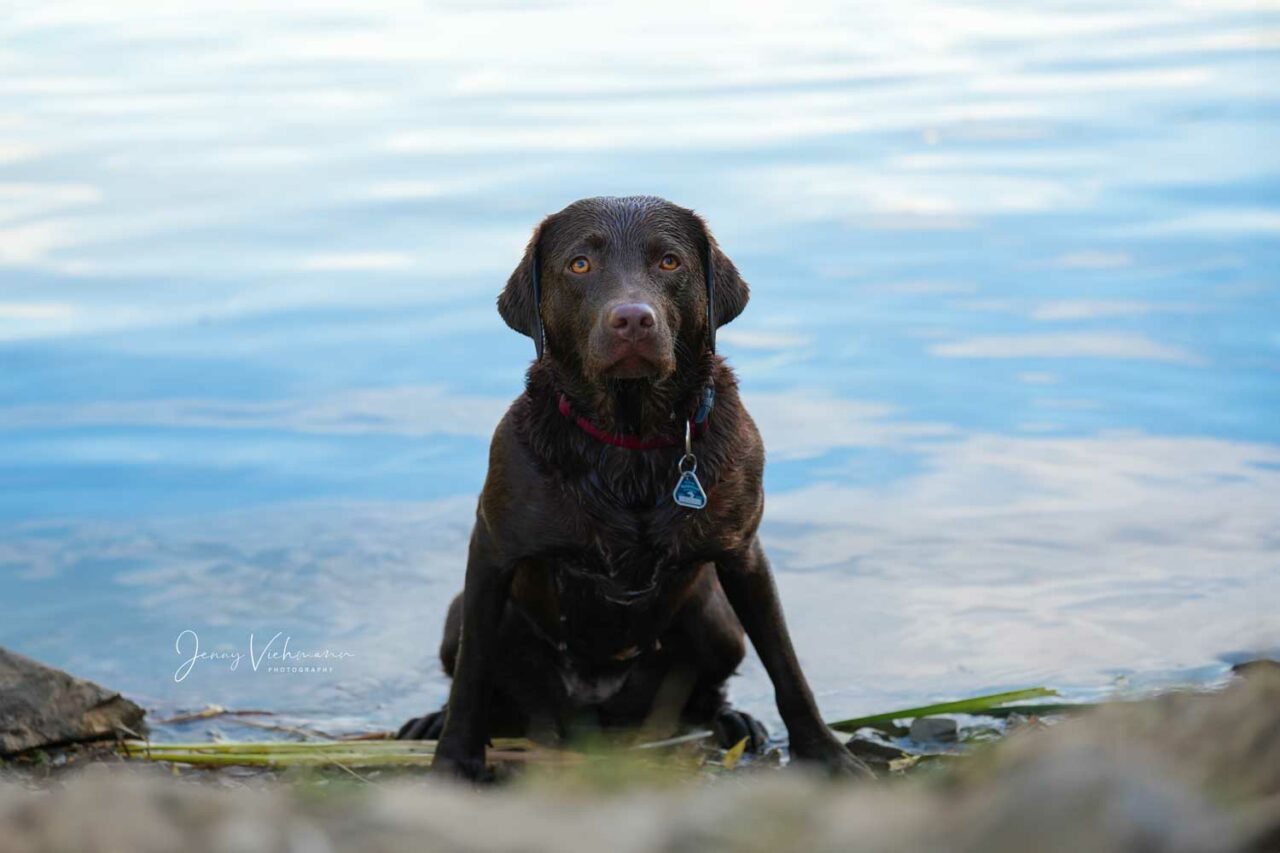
(614, 563)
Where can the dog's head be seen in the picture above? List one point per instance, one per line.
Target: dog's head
(623, 287)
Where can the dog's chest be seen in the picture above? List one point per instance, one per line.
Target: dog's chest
(620, 569)
(612, 596)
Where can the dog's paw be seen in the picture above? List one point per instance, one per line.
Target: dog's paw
(832, 756)
(459, 765)
(732, 725)
(423, 728)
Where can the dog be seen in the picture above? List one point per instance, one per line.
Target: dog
(614, 565)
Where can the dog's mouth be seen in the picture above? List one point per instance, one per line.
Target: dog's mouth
(608, 358)
(632, 365)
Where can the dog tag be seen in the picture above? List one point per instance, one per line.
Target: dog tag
(689, 491)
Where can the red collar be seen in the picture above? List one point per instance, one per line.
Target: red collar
(629, 442)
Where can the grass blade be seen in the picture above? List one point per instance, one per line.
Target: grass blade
(310, 753)
(1041, 709)
(976, 705)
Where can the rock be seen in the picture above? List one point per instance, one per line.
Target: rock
(41, 706)
(1251, 668)
(877, 756)
(1184, 773)
(925, 729)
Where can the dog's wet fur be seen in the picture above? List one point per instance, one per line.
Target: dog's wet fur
(589, 593)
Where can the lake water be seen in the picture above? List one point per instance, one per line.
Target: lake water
(1014, 338)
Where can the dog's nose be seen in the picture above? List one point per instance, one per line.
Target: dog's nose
(632, 321)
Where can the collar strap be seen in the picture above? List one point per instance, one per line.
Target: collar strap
(535, 280)
(698, 424)
(709, 268)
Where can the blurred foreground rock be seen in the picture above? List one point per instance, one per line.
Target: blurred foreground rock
(41, 706)
(1179, 773)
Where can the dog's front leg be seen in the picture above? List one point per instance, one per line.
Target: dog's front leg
(748, 584)
(460, 750)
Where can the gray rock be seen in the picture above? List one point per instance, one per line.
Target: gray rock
(42, 706)
(1251, 668)
(1180, 774)
(940, 729)
(877, 756)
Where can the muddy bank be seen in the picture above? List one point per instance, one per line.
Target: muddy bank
(1179, 773)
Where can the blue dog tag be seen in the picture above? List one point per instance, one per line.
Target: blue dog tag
(689, 491)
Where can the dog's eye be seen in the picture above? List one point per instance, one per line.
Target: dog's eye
(580, 265)
(669, 262)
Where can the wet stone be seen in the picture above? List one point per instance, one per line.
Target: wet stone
(41, 706)
(938, 729)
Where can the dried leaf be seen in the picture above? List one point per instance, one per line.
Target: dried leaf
(734, 755)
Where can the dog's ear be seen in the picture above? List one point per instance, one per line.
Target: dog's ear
(729, 292)
(518, 301)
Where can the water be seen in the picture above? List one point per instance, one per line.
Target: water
(1013, 342)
